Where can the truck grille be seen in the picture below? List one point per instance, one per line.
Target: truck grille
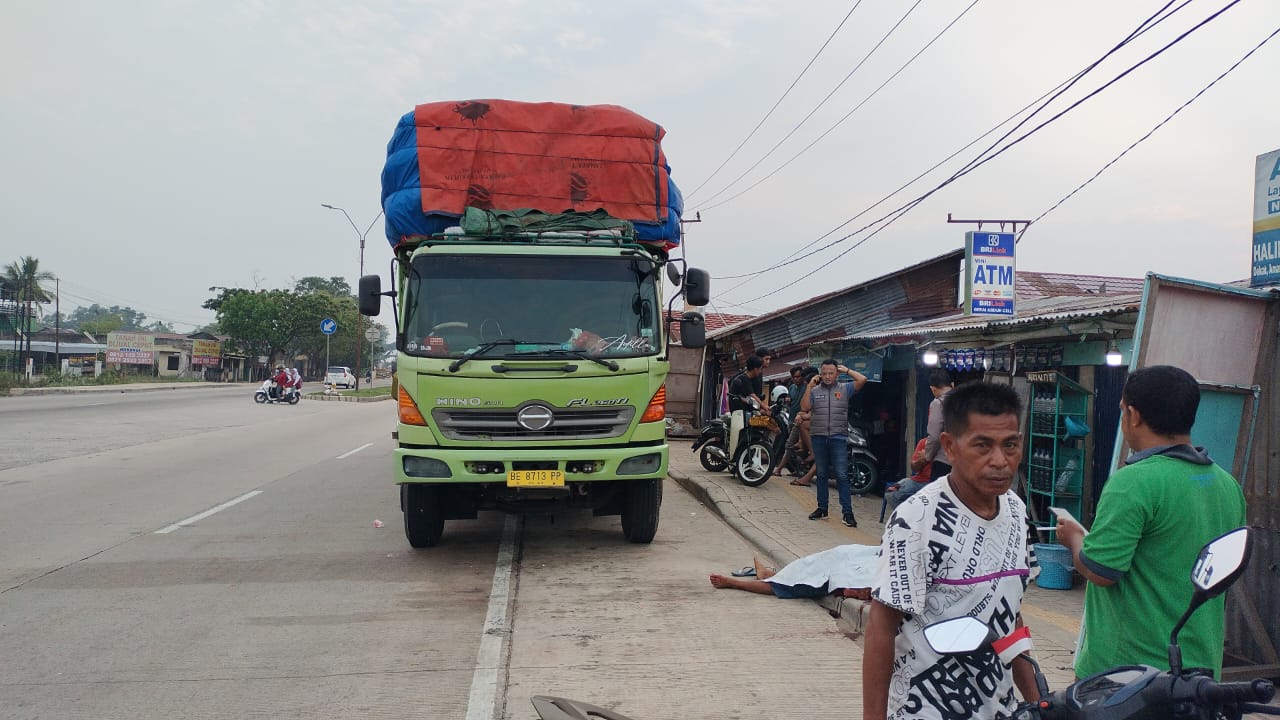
(500, 424)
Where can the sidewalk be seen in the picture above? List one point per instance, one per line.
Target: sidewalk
(774, 518)
(123, 387)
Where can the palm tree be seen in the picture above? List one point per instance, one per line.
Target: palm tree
(24, 278)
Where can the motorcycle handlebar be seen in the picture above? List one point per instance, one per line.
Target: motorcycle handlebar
(1260, 691)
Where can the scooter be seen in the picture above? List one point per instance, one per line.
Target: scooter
(264, 394)
(864, 473)
(1134, 692)
(712, 444)
(763, 441)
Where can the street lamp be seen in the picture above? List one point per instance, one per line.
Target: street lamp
(360, 235)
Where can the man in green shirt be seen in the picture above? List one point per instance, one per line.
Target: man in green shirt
(1154, 516)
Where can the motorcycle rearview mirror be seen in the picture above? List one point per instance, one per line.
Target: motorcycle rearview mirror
(370, 300)
(1221, 562)
(697, 287)
(958, 635)
(673, 274)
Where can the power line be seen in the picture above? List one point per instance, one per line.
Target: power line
(817, 107)
(1142, 29)
(891, 217)
(776, 104)
(847, 115)
(1152, 131)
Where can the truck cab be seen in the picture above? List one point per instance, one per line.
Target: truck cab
(531, 377)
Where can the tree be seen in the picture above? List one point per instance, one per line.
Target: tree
(117, 317)
(25, 279)
(101, 325)
(160, 327)
(335, 286)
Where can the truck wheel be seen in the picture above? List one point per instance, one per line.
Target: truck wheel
(423, 520)
(640, 511)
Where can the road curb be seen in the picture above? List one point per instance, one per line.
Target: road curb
(80, 390)
(713, 498)
(345, 398)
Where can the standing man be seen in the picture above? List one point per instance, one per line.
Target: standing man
(827, 403)
(1154, 515)
(958, 547)
(757, 383)
(742, 391)
(939, 384)
(795, 394)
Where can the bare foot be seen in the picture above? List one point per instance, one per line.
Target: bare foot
(720, 582)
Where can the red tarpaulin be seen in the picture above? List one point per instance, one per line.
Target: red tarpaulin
(546, 156)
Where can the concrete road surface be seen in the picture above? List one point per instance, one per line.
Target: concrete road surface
(191, 554)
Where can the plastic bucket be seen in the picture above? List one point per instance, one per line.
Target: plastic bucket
(1055, 566)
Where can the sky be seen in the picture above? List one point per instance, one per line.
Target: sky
(152, 150)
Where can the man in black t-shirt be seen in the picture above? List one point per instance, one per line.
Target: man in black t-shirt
(742, 393)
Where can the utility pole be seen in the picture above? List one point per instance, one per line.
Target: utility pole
(359, 329)
(57, 324)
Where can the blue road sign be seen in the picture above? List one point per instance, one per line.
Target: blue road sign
(328, 326)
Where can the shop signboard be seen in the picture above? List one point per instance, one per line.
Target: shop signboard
(130, 348)
(866, 362)
(206, 352)
(989, 273)
(1266, 221)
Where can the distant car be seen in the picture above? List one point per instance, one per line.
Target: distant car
(340, 376)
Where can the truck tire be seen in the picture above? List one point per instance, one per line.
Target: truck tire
(423, 519)
(640, 510)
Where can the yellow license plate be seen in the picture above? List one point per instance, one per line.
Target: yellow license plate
(535, 478)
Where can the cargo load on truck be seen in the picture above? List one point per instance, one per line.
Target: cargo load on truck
(568, 162)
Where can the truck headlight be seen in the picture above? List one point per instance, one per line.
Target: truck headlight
(641, 464)
(425, 467)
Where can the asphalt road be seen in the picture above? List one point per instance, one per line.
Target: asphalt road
(191, 554)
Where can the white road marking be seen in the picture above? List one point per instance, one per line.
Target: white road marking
(353, 452)
(207, 513)
(497, 627)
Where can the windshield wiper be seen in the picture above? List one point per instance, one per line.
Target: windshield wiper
(457, 364)
(580, 354)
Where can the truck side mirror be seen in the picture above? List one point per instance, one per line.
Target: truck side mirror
(697, 287)
(693, 330)
(370, 295)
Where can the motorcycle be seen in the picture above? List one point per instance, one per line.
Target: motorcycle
(864, 472)
(1134, 692)
(712, 444)
(763, 441)
(264, 394)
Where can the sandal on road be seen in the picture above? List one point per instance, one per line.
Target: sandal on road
(747, 571)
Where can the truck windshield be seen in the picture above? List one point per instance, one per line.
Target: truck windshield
(543, 306)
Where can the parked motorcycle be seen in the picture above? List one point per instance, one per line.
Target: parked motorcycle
(1132, 692)
(864, 473)
(763, 442)
(712, 444)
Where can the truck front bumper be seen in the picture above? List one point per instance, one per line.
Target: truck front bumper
(443, 465)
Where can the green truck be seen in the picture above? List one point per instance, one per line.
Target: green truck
(531, 343)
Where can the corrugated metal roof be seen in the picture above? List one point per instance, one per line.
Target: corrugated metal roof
(1040, 284)
(1044, 309)
(824, 300)
(713, 321)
